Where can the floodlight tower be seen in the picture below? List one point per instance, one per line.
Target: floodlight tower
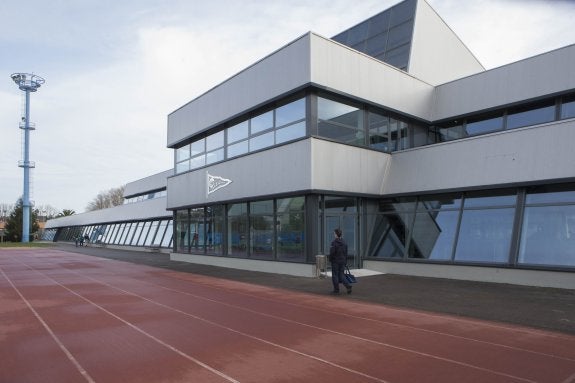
(28, 83)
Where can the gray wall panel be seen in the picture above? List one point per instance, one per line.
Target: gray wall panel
(284, 70)
(543, 152)
(151, 208)
(534, 77)
(153, 182)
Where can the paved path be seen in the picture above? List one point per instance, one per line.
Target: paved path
(68, 317)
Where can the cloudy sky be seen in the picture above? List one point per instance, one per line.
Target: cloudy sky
(115, 69)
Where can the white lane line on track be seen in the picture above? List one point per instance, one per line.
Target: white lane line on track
(200, 319)
(68, 354)
(172, 348)
(383, 322)
(463, 364)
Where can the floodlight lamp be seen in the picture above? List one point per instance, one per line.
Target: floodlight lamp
(27, 82)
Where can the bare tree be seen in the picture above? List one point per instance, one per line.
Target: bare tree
(107, 199)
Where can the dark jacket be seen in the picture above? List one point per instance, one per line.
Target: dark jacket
(338, 251)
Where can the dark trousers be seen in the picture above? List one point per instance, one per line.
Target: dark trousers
(337, 276)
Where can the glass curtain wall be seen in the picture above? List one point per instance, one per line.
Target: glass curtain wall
(262, 230)
(291, 229)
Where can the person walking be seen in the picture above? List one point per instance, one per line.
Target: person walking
(338, 259)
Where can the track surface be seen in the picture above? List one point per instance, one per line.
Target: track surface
(68, 317)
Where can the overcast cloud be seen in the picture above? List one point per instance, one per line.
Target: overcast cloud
(114, 70)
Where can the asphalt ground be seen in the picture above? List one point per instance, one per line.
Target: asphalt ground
(537, 307)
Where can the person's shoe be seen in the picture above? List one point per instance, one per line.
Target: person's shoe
(348, 289)
(334, 292)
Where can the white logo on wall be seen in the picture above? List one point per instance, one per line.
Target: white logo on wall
(215, 183)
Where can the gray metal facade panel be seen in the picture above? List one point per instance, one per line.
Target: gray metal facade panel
(147, 209)
(339, 68)
(153, 182)
(538, 153)
(535, 77)
(284, 70)
(310, 164)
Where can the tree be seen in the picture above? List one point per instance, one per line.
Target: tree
(66, 212)
(14, 223)
(107, 199)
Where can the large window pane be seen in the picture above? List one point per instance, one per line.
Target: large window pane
(489, 200)
(215, 217)
(291, 112)
(161, 233)
(290, 132)
(198, 147)
(182, 232)
(238, 229)
(379, 132)
(144, 234)
(531, 117)
(215, 156)
(550, 197)
(568, 107)
(183, 153)
(215, 141)
(262, 230)
(485, 236)
(548, 236)
(388, 234)
(168, 235)
(262, 122)
(433, 235)
(291, 229)
(150, 240)
(198, 162)
(484, 125)
(262, 141)
(340, 122)
(238, 132)
(197, 230)
(238, 149)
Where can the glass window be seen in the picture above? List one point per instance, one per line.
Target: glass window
(183, 153)
(485, 236)
(161, 233)
(486, 200)
(215, 229)
(340, 122)
(198, 161)
(433, 234)
(444, 202)
(398, 57)
(126, 232)
(294, 111)
(290, 132)
(166, 242)
(238, 132)
(238, 229)
(399, 35)
(262, 122)
(453, 130)
(262, 229)
(550, 197)
(197, 230)
(357, 34)
(483, 125)
(291, 229)
(215, 156)
(182, 166)
(533, 116)
(182, 232)
(137, 233)
(389, 234)
(548, 236)
(378, 131)
(262, 141)
(568, 107)
(116, 239)
(376, 44)
(198, 147)
(215, 141)
(238, 149)
(144, 234)
(150, 240)
(340, 204)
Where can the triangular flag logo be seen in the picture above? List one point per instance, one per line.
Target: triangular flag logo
(216, 183)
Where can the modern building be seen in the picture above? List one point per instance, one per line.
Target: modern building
(392, 131)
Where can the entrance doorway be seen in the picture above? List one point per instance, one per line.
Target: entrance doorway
(342, 212)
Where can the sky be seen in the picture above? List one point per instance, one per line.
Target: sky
(115, 69)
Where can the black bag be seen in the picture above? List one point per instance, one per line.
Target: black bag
(349, 277)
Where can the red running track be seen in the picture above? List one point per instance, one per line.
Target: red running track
(67, 317)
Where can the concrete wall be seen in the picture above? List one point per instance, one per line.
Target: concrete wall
(536, 153)
(555, 279)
